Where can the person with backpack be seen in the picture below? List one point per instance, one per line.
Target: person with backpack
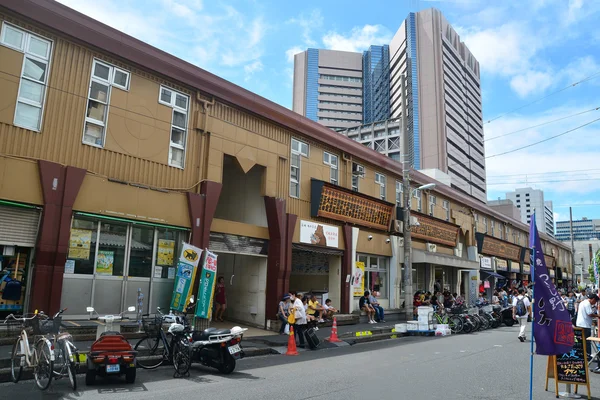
(521, 310)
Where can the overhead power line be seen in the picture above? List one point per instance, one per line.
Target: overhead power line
(545, 173)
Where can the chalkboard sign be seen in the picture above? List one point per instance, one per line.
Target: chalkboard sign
(572, 367)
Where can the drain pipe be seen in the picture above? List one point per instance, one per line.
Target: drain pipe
(203, 144)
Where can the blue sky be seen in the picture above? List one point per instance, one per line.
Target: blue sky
(528, 50)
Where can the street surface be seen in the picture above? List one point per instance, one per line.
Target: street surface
(486, 365)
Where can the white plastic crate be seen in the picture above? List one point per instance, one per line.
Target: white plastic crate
(412, 326)
(425, 327)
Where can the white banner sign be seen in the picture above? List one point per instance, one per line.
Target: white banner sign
(318, 234)
(485, 263)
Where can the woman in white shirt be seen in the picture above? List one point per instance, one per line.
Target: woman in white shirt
(300, 314)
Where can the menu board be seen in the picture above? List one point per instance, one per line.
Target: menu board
(572, 367)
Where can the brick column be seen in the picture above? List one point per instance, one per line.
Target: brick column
(346, 269)
(202, 207)
(60, 186)
(281, 232)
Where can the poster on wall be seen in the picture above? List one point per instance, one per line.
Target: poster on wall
(70, 267)
(105, 262)
(166, 250)
(79, 244)
(158, 271)
(318, 234)
(207, 285)
(184, 276)
(358, 279)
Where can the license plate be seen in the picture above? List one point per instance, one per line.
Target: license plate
(234, 349)
(113, 368)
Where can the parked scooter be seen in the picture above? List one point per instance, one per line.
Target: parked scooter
(111, 353)
(507, 316)
(216, 348)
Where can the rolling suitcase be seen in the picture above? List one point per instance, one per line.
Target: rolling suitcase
(311, 338)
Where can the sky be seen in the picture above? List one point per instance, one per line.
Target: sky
(539, 59)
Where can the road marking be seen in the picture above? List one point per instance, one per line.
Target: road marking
(462, 351)
(497, 345)
(73, 323)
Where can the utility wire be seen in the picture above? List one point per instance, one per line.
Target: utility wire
(542, 124)
(587, 78)
(544, 173)
(553, 181)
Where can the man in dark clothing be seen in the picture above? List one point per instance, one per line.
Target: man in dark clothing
(365, 305)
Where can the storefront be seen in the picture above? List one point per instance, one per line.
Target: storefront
(489, 278)
(110, 260)
(507, 257)
(373, 262)
(316, 261)
(437, 251)
(18, 235)
(242, 262)
(551, 265)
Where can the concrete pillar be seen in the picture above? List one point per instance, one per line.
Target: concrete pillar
(60, 186)
(394, 281)
(347, 264)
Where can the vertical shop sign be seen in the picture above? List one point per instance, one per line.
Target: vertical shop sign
(184, 278)
(358, 279)
(207, 285)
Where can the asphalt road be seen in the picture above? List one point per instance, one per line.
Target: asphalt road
(487, 365)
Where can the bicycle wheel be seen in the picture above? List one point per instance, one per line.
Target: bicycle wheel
(72, 366)
(456, 324)
(151, 352)
(181, 357)
(44, 366)
(16, 366)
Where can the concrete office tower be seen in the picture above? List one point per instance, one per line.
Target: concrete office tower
(328, 87)
(527, 200)
(376, 84)
(444, 99)
(583, 229)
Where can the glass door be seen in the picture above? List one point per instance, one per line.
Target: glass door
(139, 267)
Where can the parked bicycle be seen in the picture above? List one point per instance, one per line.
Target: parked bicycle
(66, 362)
(40, 356)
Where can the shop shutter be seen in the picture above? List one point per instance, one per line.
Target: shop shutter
(19, 226)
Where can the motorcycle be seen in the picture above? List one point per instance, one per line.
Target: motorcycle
(215, 348)
(111, 354)
(507, 316)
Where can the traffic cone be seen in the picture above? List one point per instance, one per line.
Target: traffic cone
(334, 337)
(291, 350)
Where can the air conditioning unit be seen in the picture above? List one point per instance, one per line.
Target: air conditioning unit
(431, 247)
(358, 170)
(414, 221)
(458, 250)
(398, 226)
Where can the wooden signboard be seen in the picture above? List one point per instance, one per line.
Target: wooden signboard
(572, 367)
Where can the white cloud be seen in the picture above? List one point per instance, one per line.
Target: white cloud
(290, 53)
(308, 23)
(531, 82)
(252, 68)
(358, 39)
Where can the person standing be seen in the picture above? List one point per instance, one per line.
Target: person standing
(300, 313)
(521, 309)
(585, 315)
(571, 304)
(220, 299)
(283, 311)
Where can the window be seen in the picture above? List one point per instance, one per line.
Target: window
(446, 206)
(298, 149)
(485, 225)
(380, 180)
(34, 75)
(96, 117)
(358, 172)
(179, 102)
(399, 194)
(493, 227)
(332, 161)
(376, 274)
(417, 195)
(518, 195)
(431, 204)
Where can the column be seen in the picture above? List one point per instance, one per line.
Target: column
(347, 262)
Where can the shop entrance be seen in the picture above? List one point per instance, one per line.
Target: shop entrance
(18, 235)
(109, 260)
(444, 279)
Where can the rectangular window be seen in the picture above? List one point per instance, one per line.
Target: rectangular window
(446, 206)
(380, 180)
(399, 194)
(299, 149)
(179, 102)
(34, 74)
(96, 116)
(493, 227)
(485, 225)
(332, 161)
(417, 195)
(358, 172)
(376, 274)
(432, 200)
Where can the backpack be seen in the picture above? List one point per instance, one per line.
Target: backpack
(521, 309)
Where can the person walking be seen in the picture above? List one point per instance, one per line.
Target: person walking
(521, 309)
(585, 315)
(220, 299)
(299, 311)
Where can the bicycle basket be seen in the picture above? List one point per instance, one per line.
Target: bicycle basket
(152, 325)
(46, 326)
(12, 327)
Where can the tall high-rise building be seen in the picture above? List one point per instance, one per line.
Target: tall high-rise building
(583, 229)
(529, 200)
(328, 87)
(444, 117)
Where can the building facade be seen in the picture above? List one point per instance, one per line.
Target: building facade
(443, 93)
(583, 229)
(113, 154)
(527, 200)
(328, 87)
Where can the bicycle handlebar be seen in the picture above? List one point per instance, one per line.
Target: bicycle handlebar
(23, 318)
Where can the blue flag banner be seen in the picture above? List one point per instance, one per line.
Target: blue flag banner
(553, 330)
